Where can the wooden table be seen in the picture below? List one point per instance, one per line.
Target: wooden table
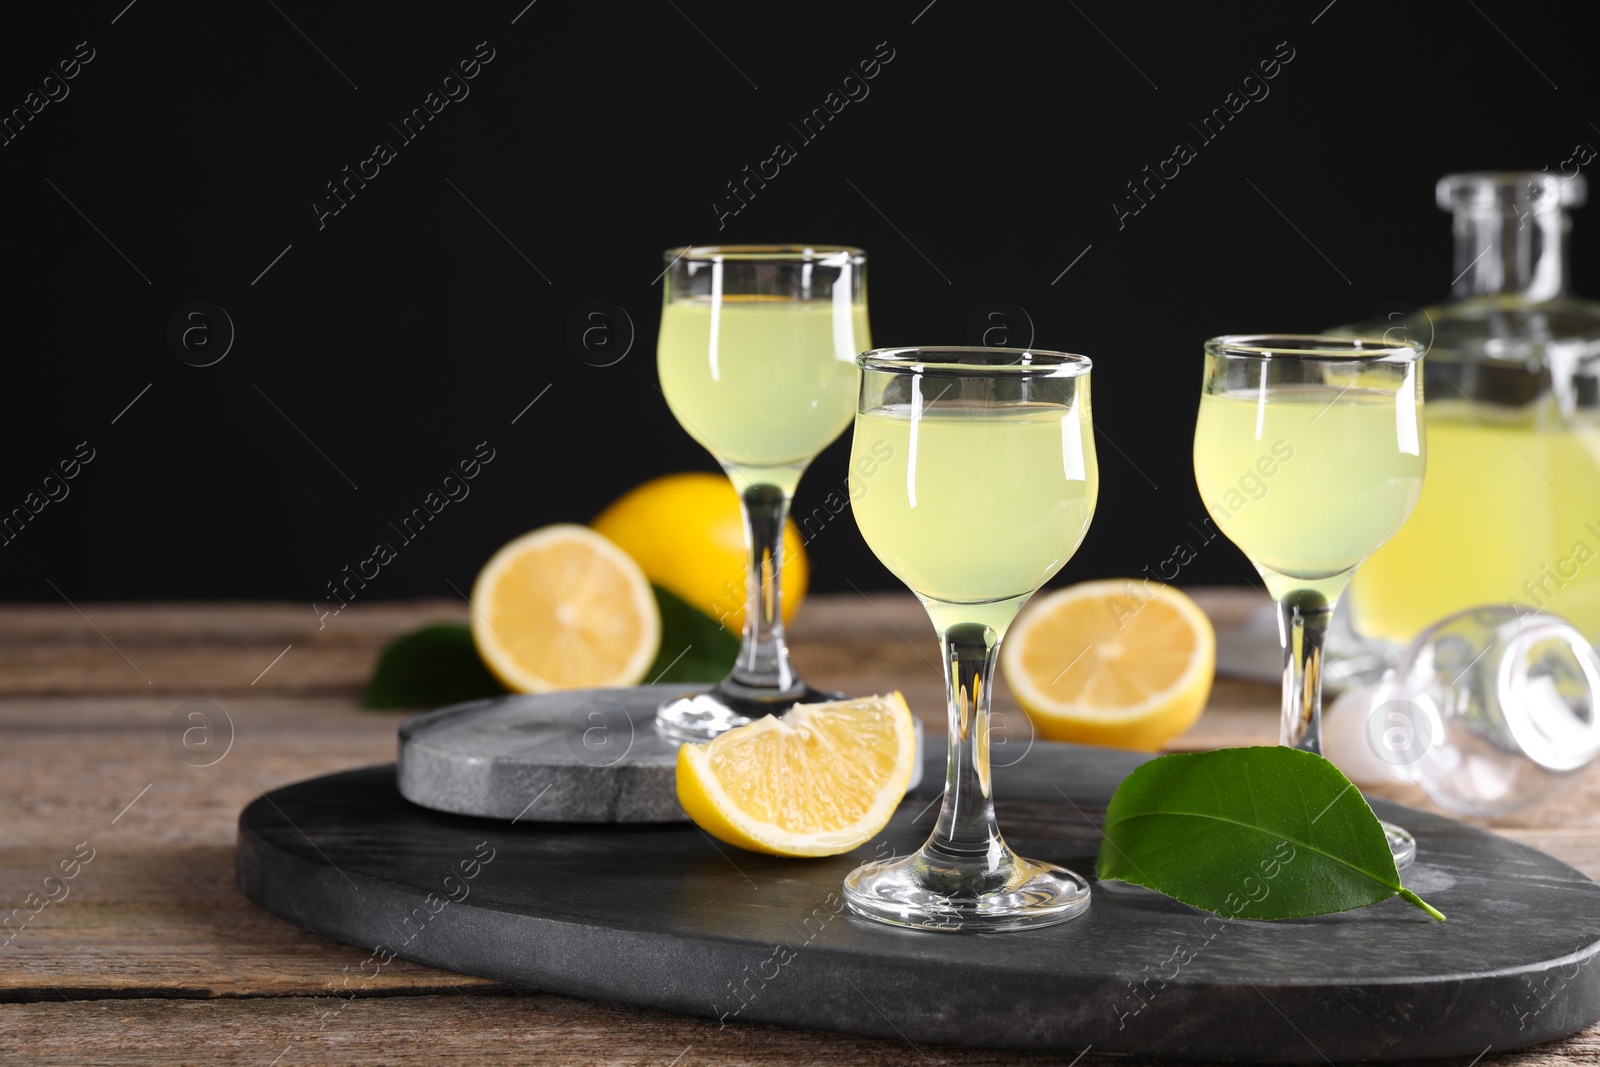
(149, 954)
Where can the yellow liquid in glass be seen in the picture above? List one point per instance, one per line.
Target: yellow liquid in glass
(1307, 488)
(974, 506)
(763, 384)
(1509, 513)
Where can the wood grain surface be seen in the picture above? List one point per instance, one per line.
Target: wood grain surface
(149, 954)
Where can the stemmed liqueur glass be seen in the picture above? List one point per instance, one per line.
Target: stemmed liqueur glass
(1309, 453)
(757, 362)
(973, 478)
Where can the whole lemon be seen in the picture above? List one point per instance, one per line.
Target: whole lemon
(686, 532)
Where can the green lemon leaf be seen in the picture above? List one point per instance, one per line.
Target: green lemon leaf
(429, 668)
(694, 646)
(1250, 833)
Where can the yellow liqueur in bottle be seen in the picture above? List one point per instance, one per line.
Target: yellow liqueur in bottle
(1511, 509)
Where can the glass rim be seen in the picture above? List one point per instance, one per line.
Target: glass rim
(1312, 346)
(1025, 362)
(1523, 717)
(778, 253)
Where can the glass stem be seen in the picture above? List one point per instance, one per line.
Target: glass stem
(967, 827)
(1303, 618)
(763, 654)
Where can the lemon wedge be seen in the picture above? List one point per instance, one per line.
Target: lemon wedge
(820, 780)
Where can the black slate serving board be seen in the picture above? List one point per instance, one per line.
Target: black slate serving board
(663, 916)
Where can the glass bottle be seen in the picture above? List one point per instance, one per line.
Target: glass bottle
(1510, 508)
(1491, 710)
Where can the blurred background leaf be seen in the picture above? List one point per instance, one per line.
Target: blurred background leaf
(429, 668)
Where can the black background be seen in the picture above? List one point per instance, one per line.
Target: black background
(381, 348)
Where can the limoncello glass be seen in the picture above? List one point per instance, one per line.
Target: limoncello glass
(756, 356)
(763, 383)
(1309, 454)
(973, 478)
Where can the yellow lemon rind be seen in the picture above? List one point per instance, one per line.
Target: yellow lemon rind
(682, 505)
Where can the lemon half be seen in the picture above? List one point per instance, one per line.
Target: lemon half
(563, 608)
(1122, 662)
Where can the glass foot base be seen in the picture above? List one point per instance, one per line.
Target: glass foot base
(1401, 843)
(703, 716)
(932, 891)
